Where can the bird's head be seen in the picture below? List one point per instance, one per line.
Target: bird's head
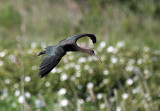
(69, 44)
(91, 52)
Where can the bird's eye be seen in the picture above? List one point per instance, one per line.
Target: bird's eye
(92, 52)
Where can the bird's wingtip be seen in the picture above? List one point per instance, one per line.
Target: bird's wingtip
(38, 54)
(40, 76)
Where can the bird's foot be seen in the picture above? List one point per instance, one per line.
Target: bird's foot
(40, 53)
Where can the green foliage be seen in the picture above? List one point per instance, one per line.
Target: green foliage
(9, 17)
(126, 75)
(128, 44)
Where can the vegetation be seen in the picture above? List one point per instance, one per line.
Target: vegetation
(127, 42)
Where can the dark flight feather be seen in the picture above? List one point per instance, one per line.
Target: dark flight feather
(51, 59)
(91, 36)
(76, 37)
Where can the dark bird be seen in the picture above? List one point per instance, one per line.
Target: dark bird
(56, 52)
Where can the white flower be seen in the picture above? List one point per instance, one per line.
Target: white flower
(4, 94)
(103, 57)
(114, 60)
(59, 70)
(112, 99)
(82, 60)
(43, 45)
(90, 71)
(122, 60)
(102, 44)
(73, 78)
(27, 78)
(7, 81)
(105, 81)
(77, 67)
(146, 57)
(129, 81)
(135, 78)
(78, 74)
(2, 54)
(99, 49)
(38, 103)
(21, 99)
(17, 93)
(129, 68)
(34, 67)
(120, 44)
(27, 94)
(47, 84)
(115, 50)
(146, 49)
(12, 58)
(66, 66)
(64, 102)
(118, 108)
(70, 57)
(1, 63)
(139, 61)
(64, 77)
(125, 96)
(79, 87)
(110, 49)
(99, 96)
(134, 91)
(146, 71)
(90, 85)
(137, 70)
(33, 45)
(65, 60)
(106, 72)
(62, 91)
(90, 58)
(30, 51)
(86, 67)
(54, 70)
(88, 99)
(157, 52)
(102, 106)
(147, 96)
(131, 61)
(72, 64)
(81, 101)
(15, 85)
(14, 104)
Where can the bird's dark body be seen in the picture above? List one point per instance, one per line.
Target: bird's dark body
(56, 52)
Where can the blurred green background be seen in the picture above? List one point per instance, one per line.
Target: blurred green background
(128, 38)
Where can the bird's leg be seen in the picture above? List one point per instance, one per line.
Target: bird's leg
(42, 52)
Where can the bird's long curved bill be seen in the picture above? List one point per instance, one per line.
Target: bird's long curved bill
(97, 57)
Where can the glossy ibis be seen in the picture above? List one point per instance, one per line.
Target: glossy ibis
(56, 52)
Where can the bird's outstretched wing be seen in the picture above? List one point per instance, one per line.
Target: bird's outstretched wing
(92, 37)
(76, 37)
(52, 58)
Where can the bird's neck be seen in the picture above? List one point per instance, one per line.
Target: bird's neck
(83, 50)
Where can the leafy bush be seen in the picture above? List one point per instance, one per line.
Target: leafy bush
(128, 78)
(124, 78)
(9, 17)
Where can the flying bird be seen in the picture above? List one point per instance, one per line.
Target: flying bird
(56, 52)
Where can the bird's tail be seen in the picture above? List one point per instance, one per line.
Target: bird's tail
(42, 52)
